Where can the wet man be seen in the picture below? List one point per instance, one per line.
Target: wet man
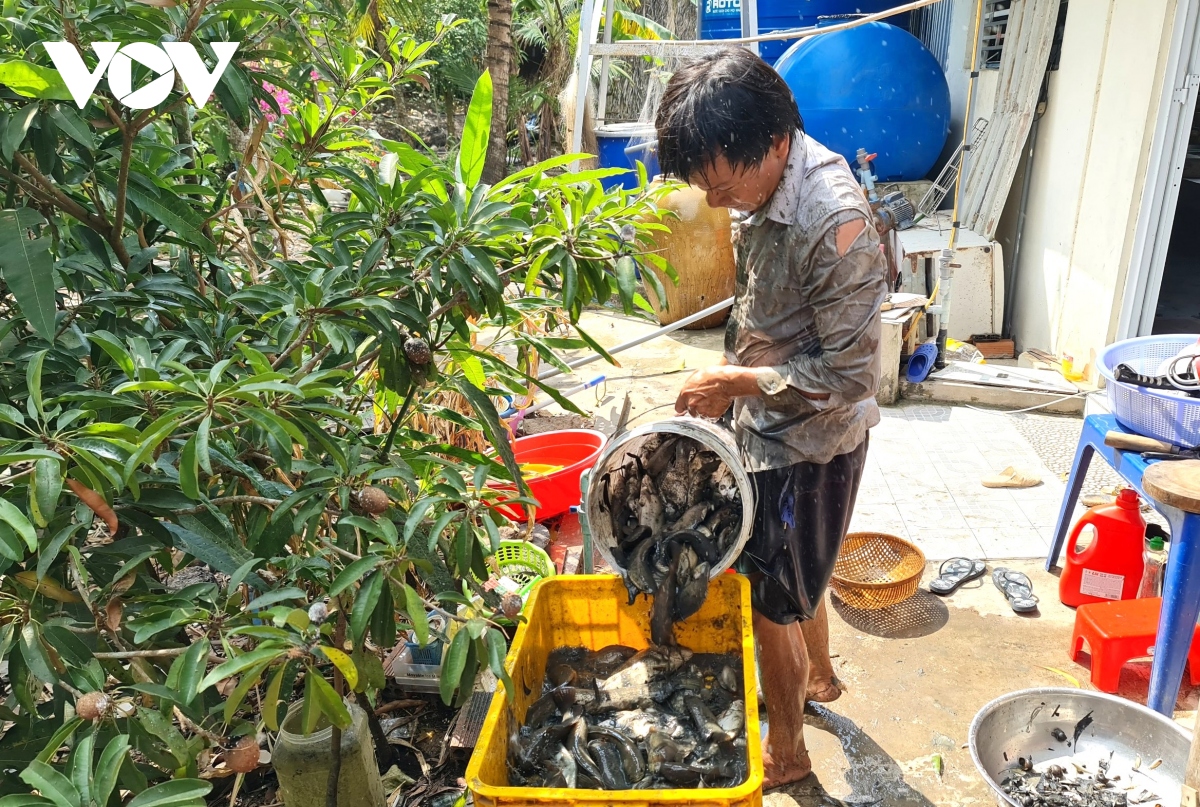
(801, 362)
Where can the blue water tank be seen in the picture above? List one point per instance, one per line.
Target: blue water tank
(722, 19)
(873, 87)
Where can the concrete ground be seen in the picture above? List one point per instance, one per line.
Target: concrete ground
(917, 673)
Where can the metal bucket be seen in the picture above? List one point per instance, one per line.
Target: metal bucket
(713, 437)
(1020, 725)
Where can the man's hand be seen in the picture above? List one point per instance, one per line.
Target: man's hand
(710, 391)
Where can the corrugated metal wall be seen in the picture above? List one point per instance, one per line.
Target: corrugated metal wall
(931, 25)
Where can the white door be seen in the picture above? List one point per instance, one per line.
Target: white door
(1164, 172)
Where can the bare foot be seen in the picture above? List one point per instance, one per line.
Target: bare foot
(824, 691)
(777, 774)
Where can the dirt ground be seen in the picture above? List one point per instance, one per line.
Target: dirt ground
(916, 676)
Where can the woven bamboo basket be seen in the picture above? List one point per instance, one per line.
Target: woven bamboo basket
(876, 570)
(700, 249)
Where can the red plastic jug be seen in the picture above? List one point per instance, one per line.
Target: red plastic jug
(1110, 567)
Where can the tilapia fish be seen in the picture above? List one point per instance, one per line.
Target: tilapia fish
(662, 717)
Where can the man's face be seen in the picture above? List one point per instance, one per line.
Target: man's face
(745, 188)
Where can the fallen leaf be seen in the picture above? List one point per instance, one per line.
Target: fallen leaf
(1072, 680)
(937, 764)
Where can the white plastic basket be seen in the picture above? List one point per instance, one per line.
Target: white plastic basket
(1162, 414)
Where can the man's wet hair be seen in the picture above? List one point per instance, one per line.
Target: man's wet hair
(729, 103)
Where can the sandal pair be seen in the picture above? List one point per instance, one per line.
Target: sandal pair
(1016, 586)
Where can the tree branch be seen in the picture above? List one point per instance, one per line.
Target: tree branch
(118, 225)
(170, 652)
(56, 196)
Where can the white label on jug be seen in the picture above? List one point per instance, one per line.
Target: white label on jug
(1101, 584)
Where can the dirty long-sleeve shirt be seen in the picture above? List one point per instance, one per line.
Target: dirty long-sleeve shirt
(806, 315)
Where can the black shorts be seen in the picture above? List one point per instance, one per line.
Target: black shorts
(802, 515)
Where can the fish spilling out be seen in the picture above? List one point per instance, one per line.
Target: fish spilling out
(621, 719)
(675, 510)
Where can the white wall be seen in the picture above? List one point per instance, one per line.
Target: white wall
(1088, 173)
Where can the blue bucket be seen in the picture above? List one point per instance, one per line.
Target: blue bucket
(623, 145)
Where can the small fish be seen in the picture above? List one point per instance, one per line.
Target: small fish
(1083, 723)
(733, 720)
(1155, 764)
(1137, 762)
(650, 507)
(1058, 734)
(632, 763)
(729, 680)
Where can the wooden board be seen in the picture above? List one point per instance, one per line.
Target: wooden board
(990, 171)
(1175, 483)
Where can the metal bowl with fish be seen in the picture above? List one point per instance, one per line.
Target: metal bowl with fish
(678, 476)
(1060, 746)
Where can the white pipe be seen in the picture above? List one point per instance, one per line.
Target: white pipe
(674, 326)
(774, 36)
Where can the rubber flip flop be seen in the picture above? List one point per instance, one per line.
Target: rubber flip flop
(953, 573)
(1011, 477)
(1017, 588)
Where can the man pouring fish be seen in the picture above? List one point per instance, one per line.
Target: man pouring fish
(801, 362)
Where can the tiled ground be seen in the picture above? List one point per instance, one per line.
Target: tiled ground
(923, 474)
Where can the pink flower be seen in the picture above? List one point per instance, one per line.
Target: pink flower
(314, 75)
(282, 98)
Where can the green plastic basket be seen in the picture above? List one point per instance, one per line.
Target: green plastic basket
(523, 562)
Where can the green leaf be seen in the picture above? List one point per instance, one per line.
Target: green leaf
(18, 127)
(191, 670)
(310, 709)
(202, 455)
(33, 81)
(493, 429)
(48, 554)
(415, 609)
(626, 281)
(350, 575)
(233, 666)
(248, 680)
(223, 553)
(270, 705)
(11, 546)
(28, 269)
(329, 702)
(25, 800)
(44, 489)
(70, 122)
(81, 765)
(472, 153)
(189, 470)
(104, 779)
(175, 793)
(174, 214)
(364, 604)
(34, 653)
(272, 597)
(344, 664)
(453, 665)
(64, 733)
(497, 647)
(51, 784)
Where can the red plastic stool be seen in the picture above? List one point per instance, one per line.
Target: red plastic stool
(1119, 631)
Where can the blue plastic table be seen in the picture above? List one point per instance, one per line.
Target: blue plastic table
(1181, 582)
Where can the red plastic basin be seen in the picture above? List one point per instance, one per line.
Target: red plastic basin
(575, 449)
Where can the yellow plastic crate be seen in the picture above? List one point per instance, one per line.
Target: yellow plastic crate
(590, 611)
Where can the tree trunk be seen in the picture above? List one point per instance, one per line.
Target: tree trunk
(499, 62)
(449, 110)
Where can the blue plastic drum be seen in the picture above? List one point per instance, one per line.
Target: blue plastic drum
(874, 87)
(722, 19)
(623, 145)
